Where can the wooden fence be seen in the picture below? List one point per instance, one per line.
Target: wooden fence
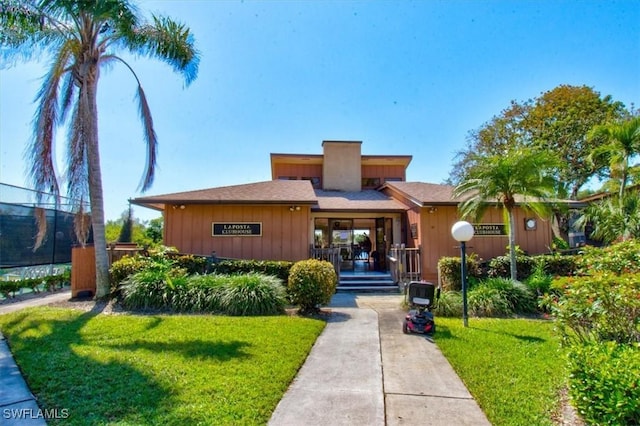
(83, 265)
(404, 264)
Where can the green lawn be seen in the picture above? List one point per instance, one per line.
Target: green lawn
(169, 370)
(188, 369)
(512, 367)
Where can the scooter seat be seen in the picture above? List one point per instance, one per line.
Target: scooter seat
(421, 301)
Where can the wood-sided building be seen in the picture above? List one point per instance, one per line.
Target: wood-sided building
(331, 200)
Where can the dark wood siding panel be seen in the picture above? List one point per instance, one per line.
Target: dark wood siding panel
(413, 217)
(298, 170)
(382, 172)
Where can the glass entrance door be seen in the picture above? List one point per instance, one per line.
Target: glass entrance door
(342, 238)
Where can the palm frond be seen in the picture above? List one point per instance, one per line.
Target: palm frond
(41, 224)
(150, 138)
(170, 42)
(77, 172)
(68, 90)
(26, 31)
(82, 224)
(20, 22)
(40, 150)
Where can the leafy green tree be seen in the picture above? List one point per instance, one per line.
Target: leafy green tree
(520, 176)
(558, 121)
(622, 143)
(154, 230)
(503, 132)
(142, 232)
(83, 38)
(112, 230)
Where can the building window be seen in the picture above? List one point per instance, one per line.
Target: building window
(287, 177)
(370, 182)
(315, 181)
(393, 179)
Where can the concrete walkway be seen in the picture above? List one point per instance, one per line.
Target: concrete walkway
(42, 299)
(364, 371)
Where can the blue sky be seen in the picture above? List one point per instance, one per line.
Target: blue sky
(403, 77)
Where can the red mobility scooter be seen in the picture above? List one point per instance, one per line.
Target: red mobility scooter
(420, 298)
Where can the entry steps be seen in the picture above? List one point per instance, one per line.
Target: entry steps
(367, 283)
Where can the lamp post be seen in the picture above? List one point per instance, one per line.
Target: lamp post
(462, 232)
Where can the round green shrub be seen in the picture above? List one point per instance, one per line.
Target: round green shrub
(311, 283)
(451, 271)
(501, 267)
(8, 289)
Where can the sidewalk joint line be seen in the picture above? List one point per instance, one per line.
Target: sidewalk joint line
(463, 398)
(18, 402)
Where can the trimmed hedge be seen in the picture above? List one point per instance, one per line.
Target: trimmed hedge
(275, 268)
(558, 265)
(499, 267)
(9, 288)
(451, 274)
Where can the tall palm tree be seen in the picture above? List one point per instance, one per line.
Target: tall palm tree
(623, 143)
(83, 36)
(519, 176)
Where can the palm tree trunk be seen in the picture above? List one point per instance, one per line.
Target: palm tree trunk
(623, 183)
(512, 245)
(95, 188)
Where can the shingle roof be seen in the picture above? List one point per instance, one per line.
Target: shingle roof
(369, 200)
(423, 193)
(268, 192)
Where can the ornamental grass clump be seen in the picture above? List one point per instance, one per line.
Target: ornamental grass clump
(500, 297)
(153, 288)
(252, 294)
(311, 283)
(201, 294)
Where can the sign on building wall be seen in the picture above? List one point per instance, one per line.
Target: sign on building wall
(237, 229)
(489, 230)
